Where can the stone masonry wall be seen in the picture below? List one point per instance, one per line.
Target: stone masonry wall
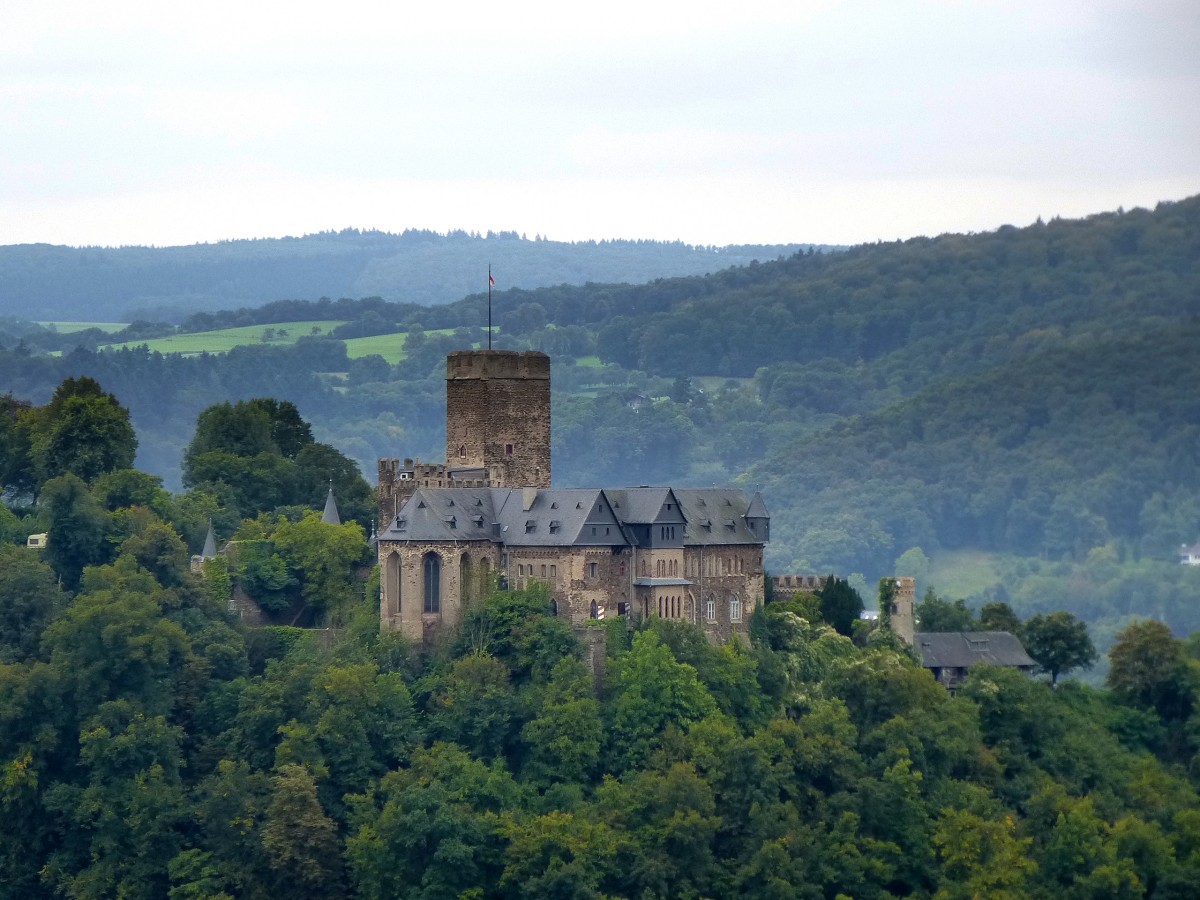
(498, 415)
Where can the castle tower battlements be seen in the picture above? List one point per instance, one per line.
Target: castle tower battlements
(498, 415)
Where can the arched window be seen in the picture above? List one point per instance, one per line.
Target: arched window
(433, 583)
(735, 609)
(595, 609)
(710, 608)
(392, 584)
(466, 579)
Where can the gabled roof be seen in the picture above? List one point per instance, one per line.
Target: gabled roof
(645, 505)
(962, 649)
(716, 516)
(559, 517)
(562, 517)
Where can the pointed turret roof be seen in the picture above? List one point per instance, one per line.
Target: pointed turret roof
(210, 543)
(330, 516)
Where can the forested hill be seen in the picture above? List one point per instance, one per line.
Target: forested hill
(1053, 456)
(1025, 394)
(169, 283)
(917, 310)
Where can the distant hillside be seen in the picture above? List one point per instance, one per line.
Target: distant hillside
(170, 283)
(1027, 393)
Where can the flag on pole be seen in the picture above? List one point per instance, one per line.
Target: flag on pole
(491, 280)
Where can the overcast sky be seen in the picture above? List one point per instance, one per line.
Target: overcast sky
(712, 123)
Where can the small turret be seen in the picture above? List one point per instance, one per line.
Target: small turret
(330, 516)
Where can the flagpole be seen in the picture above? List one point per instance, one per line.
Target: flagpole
(490, 283)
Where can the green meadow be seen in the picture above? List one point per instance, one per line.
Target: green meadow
(222, 341)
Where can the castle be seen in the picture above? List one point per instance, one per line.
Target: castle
(448, 530)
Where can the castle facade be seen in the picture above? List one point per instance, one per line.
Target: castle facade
(448, 530)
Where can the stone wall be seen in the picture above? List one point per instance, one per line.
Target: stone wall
(466, 572)
(498, 415)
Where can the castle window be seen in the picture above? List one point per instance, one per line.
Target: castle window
(508, 450)
(593, 570)
(595, 610)
(543, 570)
(622, 608)
(622, 569)
(433, 583)
(553, 607)
(735, 609)
(710, 609)
(553, 571)
(462, 449)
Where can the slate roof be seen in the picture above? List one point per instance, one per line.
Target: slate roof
(716, 516)
(210, 543)
(330, 516)
(444, 514)
(644, 505)
(576, 512)
(562, 517)
(962, 649)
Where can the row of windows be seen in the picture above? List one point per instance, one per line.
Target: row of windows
(716, 565)
(673, 607)
(523, 570)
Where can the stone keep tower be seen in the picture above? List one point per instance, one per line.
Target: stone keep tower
(498, 415)
(904, 609)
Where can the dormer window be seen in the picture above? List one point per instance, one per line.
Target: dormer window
(530, 526)
(421, 504)
(478, 520)
(450, 522)
(555, 525)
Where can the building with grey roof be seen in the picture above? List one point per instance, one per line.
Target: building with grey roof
(446, 533)
(949, 655)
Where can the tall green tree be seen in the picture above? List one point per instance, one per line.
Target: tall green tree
(1150, 669)
(840, 605)
(29, 599)
(83, 431)
(1059, 643)
(78, 527)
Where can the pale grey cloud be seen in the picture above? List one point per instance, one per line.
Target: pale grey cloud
(709, 122)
